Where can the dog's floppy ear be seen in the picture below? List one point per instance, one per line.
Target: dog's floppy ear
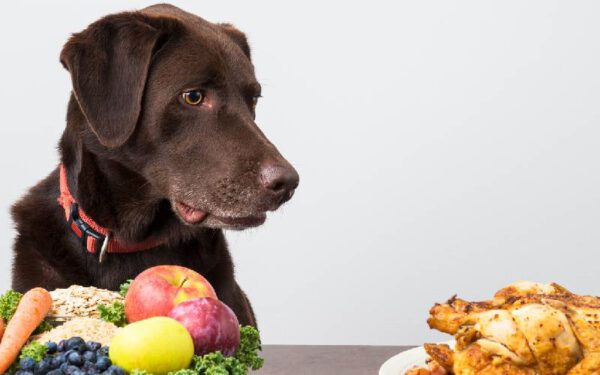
(108, 63)
(237, 36)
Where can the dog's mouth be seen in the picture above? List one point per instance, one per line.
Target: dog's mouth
(190, 214)
(195, 216)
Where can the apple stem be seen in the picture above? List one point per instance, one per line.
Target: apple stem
(183, 282)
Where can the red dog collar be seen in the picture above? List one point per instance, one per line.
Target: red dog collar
(90, 233)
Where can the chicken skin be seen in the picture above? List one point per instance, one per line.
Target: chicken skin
(527, 328)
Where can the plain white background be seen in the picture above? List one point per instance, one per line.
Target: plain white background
(444, 147)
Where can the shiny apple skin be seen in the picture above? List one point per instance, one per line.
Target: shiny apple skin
(157, 290)
(211, 323)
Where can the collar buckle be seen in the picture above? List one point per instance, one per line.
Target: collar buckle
(84, 231)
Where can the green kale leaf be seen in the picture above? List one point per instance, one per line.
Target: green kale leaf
(8, 304)
(114, 313)
(250, 345)
(35, 350)
(124, 288)
(217, 364)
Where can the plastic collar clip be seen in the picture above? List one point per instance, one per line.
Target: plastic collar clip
(83, 231)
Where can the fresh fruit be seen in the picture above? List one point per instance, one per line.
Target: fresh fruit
(52, 347)
(212, 324)
(157, 345)
(61, 346)
(75, 359)
(83, 358)
(89, 356)
(76, 343)
(55, 362)
(103, 363)
(158, 289)
(93, 346)
(27, 364)
(114, 370)
(43, 367)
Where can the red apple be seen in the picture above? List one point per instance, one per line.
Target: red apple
(158, 289)
(211, 323)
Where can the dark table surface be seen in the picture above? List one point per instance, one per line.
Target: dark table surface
(326, 360)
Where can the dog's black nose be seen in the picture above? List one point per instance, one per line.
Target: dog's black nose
(280, 180)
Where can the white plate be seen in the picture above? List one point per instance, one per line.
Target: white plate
(400, 363)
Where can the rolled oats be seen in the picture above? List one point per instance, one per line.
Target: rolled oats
(79, 301)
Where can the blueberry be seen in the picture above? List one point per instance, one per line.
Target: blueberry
(103, 363)
(89, 356)
(62, 357)
(116, 370)
(75, 359)
(93, 346)
(78, 372)
(62, 345)
(103, 351)
(89, 365)
(75, 340)
(55, 372)
(27, 364)
(63, 366)
(52, 347)
(56, 362)
(69, 352)
(44, 366)
(70, 370)
(76, 343)
(22, 372)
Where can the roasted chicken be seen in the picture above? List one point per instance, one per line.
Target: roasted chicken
(527, 328)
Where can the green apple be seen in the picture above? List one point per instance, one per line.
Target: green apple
(157, 345)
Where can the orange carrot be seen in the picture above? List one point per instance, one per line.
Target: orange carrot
(1, 328)
(31, 311)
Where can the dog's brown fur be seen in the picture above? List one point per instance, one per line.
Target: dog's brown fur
(133, 149)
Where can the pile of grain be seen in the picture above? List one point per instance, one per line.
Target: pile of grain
(79, 301)
(89, 329)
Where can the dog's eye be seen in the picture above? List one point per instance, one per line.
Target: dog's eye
(193, 97)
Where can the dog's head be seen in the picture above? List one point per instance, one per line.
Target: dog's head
(173, 97)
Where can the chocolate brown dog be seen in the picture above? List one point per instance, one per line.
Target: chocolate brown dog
(160, 153)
